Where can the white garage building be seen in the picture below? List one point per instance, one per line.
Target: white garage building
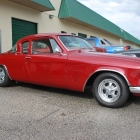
(19, 18)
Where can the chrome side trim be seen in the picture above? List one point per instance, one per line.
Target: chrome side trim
(109, 70)
(6, 70)
(135, 89)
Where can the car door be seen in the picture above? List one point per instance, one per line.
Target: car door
(15, 62)
(43, 65)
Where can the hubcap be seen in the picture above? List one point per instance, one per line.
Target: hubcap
(109, 90)
(2, 75)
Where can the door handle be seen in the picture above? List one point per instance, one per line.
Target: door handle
(28, 57)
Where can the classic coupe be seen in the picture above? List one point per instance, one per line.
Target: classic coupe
(69, 62)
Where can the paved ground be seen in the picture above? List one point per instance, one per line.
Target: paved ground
(42, 113)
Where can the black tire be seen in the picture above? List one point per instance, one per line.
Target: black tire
(110, 90)
(4, 78)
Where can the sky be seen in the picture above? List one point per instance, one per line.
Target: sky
(123, 13)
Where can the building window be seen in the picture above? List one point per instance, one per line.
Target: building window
(0, 41)
(63, 32)
(73, 33)
(82, 35)
(92, 36)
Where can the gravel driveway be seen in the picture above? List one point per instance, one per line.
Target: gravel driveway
(30, 112)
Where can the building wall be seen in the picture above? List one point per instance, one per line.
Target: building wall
(45, 24)
(131, 44)
(9, 10)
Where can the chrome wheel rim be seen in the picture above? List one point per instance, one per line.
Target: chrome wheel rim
(2, 75)
(109, 90)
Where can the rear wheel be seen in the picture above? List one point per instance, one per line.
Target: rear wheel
(4, 78)
(110, 90)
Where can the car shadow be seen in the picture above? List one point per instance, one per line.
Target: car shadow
(132, 100)
(86, 94)
(135, 99)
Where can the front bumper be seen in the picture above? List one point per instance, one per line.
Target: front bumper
(135, 89)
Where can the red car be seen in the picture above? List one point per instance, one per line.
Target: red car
(66, 61)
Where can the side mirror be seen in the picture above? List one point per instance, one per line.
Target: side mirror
(57, 50)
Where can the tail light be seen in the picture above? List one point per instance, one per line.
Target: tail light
(98, 49)
(126, 48)
(104, 50)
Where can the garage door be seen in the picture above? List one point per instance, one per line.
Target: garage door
(21, 28)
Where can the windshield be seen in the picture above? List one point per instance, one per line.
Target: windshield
(72, 42)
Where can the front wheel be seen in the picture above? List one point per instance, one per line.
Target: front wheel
(110, 90)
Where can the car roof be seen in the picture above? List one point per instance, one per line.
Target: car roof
(48, 34)
(45, 35)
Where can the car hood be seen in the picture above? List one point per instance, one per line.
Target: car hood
(93, 57)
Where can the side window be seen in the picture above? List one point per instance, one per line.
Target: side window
(102, 42)
(41, 46)
(55, 46)
(25, 47)
(105, 42)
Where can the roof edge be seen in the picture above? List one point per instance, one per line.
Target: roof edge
(45, 3)
(64, 11)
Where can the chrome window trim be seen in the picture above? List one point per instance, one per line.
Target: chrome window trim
(109, 70)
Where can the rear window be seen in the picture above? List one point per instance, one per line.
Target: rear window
(91, 42)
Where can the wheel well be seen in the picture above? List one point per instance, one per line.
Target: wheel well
(5, 70)
(3, 66)
(92, 78)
